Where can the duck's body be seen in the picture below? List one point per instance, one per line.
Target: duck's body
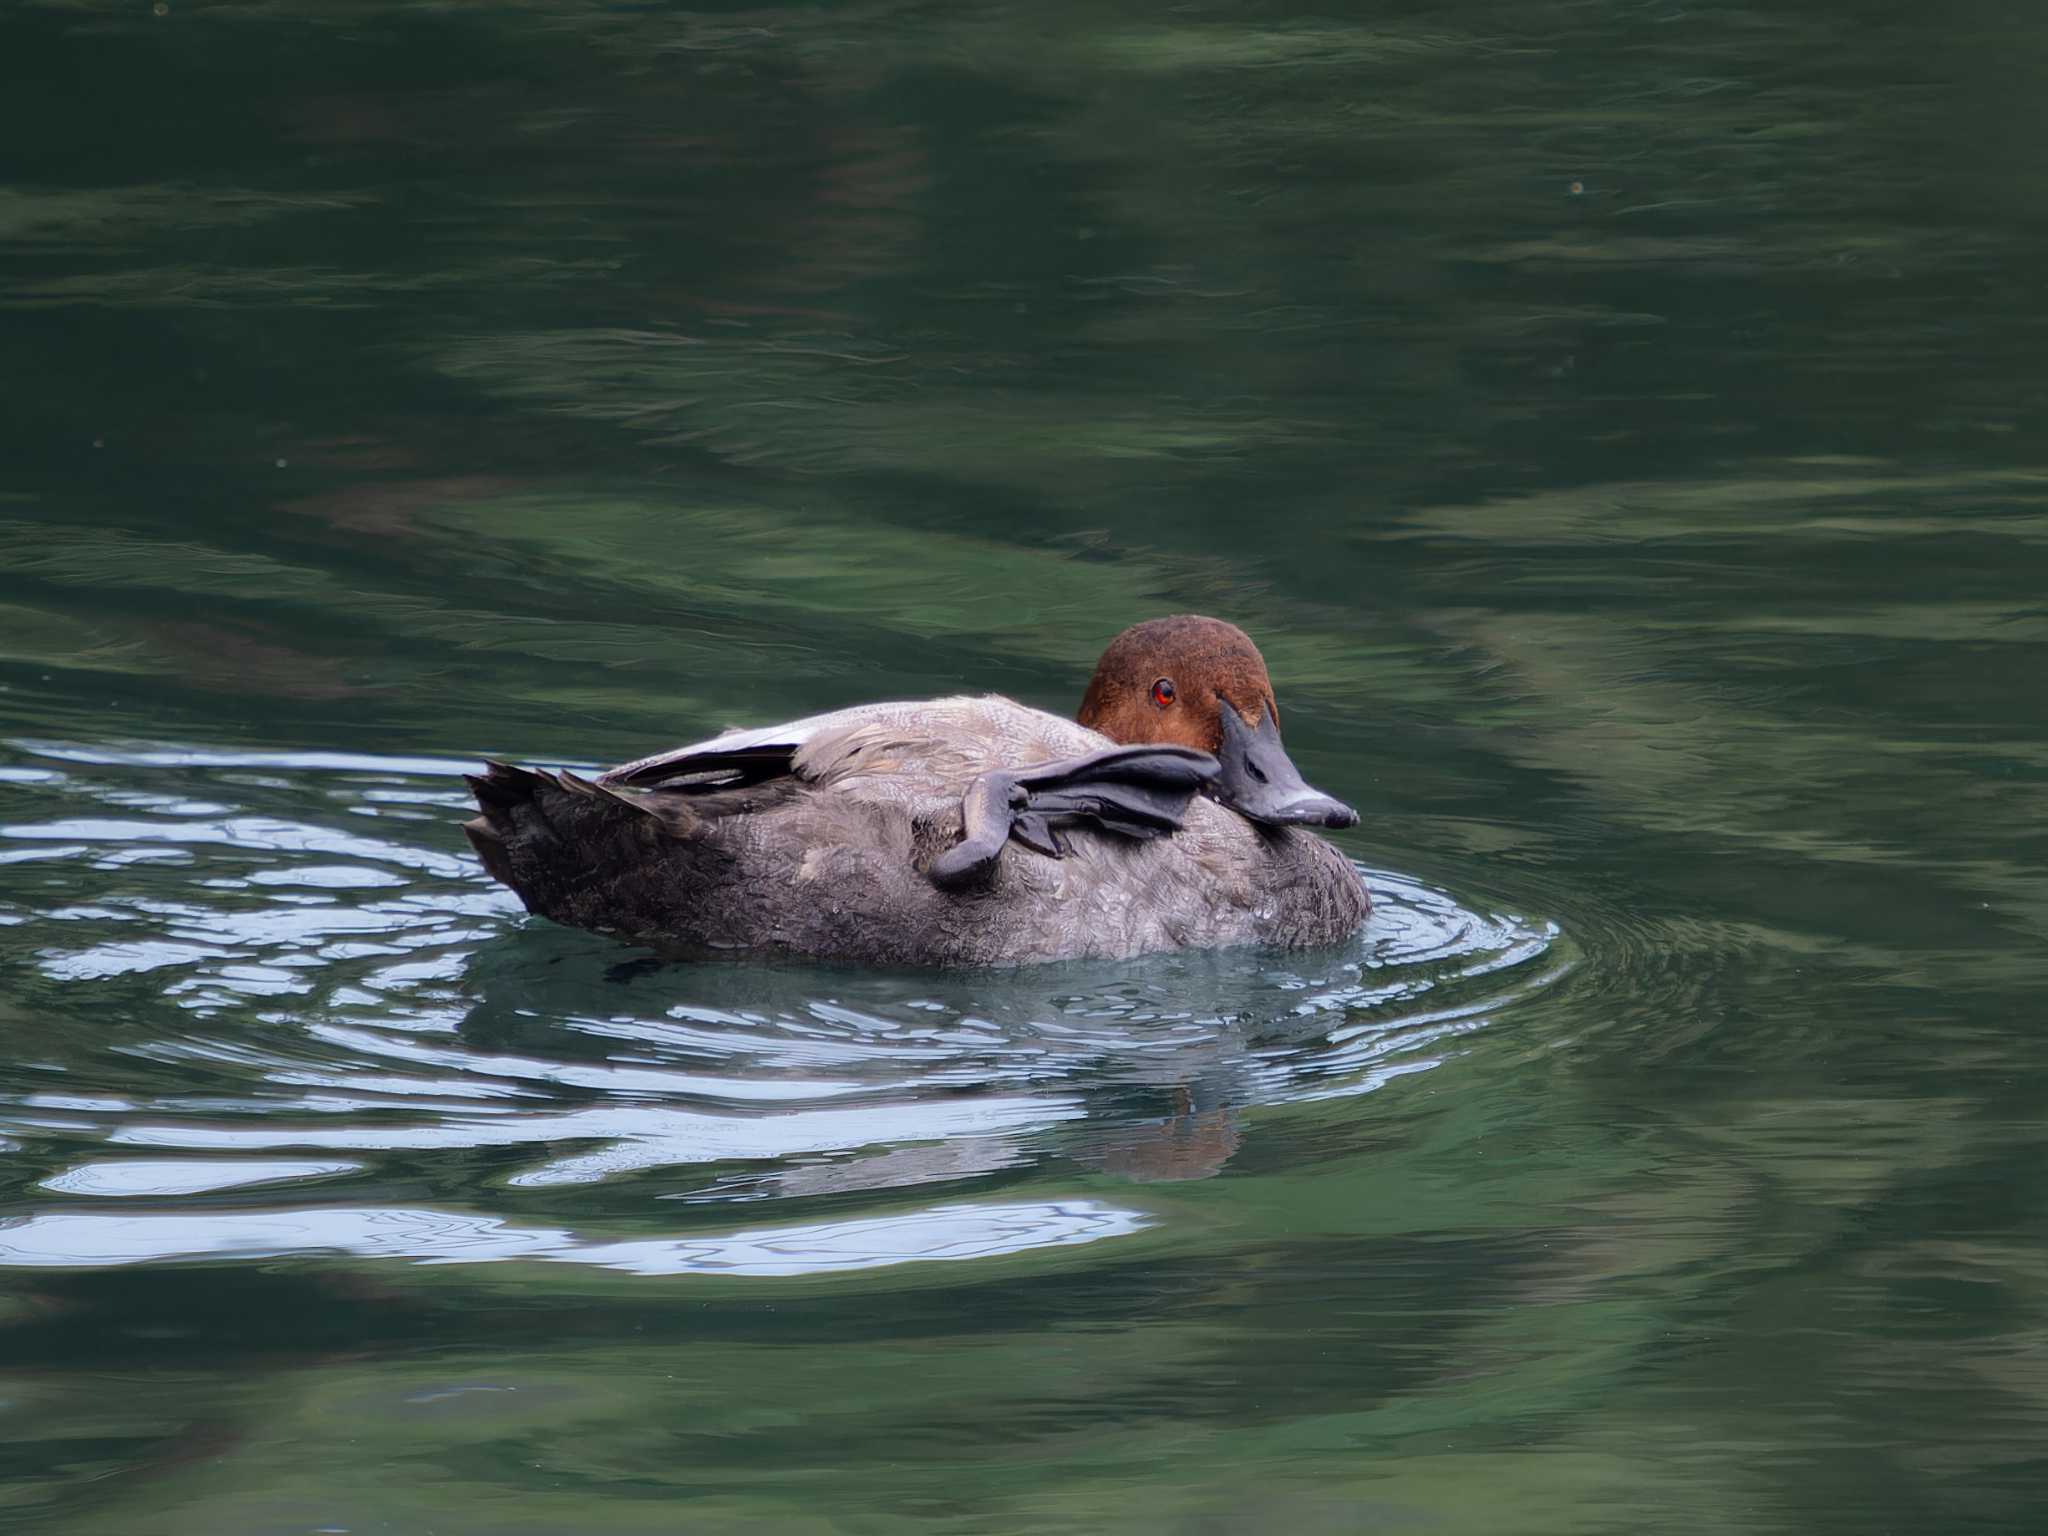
(826, 838)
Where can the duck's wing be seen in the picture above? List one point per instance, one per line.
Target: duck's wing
(735, 759)
(929, 751)
(1139, 792)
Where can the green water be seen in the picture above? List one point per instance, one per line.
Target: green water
(1622, 425)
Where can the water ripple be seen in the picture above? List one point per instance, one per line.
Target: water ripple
(334, 987)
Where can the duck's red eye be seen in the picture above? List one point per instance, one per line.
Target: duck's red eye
(1162, 692)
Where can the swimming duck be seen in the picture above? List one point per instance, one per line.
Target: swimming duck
(955, 831)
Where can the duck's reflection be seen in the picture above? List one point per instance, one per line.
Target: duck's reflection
(1189, 1144)
(1111, 1068)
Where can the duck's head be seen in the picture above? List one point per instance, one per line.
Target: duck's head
(1201, 683)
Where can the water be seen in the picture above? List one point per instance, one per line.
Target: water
(1621, 425)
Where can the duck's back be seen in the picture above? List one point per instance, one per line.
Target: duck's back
(813, 839)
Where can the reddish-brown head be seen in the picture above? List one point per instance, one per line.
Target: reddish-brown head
(1166, 680)
(1201, 683)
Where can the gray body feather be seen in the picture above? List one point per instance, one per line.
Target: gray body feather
(813, 839)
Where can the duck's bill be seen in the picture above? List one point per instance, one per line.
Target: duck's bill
(1260, 781)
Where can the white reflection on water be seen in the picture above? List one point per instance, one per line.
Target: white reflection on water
(637, 1136)
(268, 834)
(162, 1178)
(201, 757)
(938, 1234)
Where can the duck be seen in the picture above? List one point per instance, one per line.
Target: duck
(967, 831)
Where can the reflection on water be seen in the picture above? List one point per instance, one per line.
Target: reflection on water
(941, 1233)
(162, 1178)
(345, 987)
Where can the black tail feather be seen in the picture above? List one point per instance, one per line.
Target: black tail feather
(581, 852)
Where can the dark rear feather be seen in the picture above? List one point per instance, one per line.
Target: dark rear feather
(561, 841)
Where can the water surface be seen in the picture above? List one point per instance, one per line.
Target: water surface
(1622, 427)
